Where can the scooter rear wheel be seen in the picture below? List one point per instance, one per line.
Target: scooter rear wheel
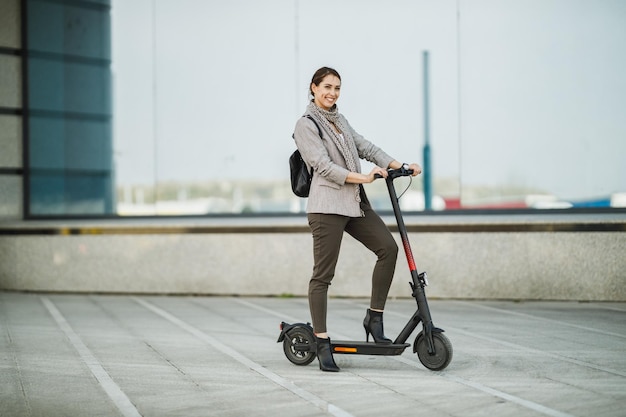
(443, 351)
(295, 340)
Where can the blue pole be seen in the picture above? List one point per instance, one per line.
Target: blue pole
(427, 167)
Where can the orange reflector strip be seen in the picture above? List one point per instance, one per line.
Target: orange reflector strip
(344, 349)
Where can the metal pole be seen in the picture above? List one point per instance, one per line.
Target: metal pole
(427, 167)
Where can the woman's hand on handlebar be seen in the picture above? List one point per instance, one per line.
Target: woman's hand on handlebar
(413, 169)
(416, 169)
(376, 172)
(359, 178)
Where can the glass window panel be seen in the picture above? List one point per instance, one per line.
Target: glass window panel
(214, 126)
(89, 193)
(47, 193)
(76, 193)
(541, 103)
(69, 87)
(525, 102)
(70, 144)
(76, 29)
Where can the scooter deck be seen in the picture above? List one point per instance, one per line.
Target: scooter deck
(367, 348)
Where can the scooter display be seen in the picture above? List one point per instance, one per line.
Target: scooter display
(432, 347)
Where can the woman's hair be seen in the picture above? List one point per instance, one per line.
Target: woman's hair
(320, 74)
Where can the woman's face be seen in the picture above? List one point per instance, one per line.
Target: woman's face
(326, 93)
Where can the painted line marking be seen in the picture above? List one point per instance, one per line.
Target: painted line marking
(121, 401)
(508, 397)
(267, 311)
(621, 310)
(539, 352)
(531, 405)
(560, 323)
(277, 379)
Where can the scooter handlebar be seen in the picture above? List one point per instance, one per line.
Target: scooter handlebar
(395, 173)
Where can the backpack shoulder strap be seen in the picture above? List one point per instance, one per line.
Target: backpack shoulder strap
(319, 131)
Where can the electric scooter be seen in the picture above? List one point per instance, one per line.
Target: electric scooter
(432, 347)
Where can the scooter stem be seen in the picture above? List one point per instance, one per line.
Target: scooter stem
(418, 281)
(401, 226)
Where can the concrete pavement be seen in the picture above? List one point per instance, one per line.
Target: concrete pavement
(107, 355)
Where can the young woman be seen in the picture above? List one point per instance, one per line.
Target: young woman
(337, 203)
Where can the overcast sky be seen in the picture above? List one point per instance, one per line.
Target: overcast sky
(523, 92)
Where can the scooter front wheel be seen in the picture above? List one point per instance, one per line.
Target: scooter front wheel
(299, 346)
(443, 351)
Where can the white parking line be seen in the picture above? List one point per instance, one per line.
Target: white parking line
(531, 405)
(530, 316)
(121, 401)
(300, 392)
(538, 352)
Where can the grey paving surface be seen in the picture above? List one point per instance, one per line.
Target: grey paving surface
(95, 355)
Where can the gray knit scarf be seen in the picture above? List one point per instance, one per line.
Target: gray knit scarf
(329, 118)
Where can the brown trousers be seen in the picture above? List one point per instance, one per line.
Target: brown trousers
(327, 230)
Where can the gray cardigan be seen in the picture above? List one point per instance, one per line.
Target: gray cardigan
(329, 192)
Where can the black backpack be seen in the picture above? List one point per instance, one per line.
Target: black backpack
(300, 175)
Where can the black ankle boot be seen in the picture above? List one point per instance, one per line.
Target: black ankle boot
(325, 355)
(373, 323)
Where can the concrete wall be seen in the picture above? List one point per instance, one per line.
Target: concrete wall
(549, 262)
